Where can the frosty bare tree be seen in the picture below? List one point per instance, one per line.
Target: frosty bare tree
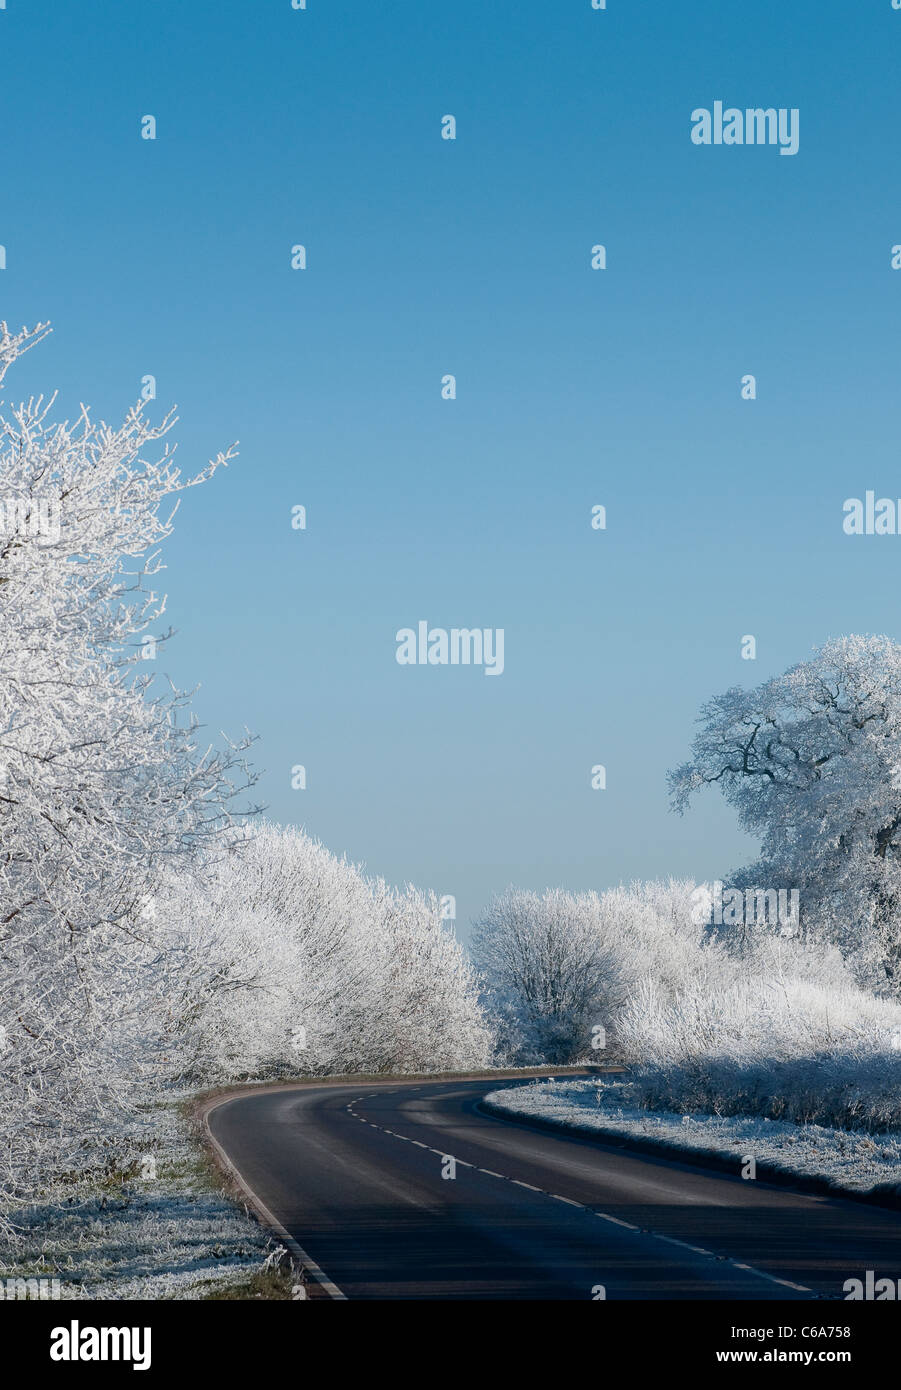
(550, 973)
(102, 781)
(283, 940)
(811, 760)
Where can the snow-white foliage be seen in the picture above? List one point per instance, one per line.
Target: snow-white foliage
(144, 936)
(769, 1045)
(811, 760)
(102, 782)
(557, 965)
(709, 1022)
(295, 962)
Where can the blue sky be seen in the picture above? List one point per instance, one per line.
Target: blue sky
(575, 387)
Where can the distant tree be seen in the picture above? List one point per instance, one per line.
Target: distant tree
(549, 972)
(811, 761)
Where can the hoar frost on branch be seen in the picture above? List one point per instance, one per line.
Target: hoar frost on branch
(103, 784)
(147, 937)
(557, 965)
(297, 963)
(811, 760)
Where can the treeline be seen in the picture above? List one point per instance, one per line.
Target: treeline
(710, 1019)
(148, 937)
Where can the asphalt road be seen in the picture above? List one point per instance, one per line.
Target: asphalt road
(354, 1174)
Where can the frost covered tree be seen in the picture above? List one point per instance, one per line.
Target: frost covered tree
(104, 784)
(549, 973)
(811, 761)
(294, 962)
(145, 935)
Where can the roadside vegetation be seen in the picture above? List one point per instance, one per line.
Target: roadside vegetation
(157, 937)
(777, 993)
(149, 941)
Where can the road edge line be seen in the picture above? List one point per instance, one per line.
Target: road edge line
(267, 1217)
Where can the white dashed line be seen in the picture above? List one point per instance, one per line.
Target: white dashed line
(616, 1221)
(671, 1240)
(786, 1283)
(604, 1216)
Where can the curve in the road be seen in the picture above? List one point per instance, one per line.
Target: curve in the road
(408, 1190)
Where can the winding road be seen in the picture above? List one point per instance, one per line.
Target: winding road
(359, 1175)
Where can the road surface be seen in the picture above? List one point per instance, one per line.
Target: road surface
(355, 1174)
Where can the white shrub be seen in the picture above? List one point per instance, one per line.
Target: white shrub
(299, 964)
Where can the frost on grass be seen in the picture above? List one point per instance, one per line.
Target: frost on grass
(171, 1237)
(854, 1160)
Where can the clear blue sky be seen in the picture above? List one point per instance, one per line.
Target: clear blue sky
(575, 387)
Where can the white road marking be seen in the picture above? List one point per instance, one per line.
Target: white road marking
(604, 1216)
(671, 1240)
(786, 1283)
(306, 1261)
(616, 1221)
